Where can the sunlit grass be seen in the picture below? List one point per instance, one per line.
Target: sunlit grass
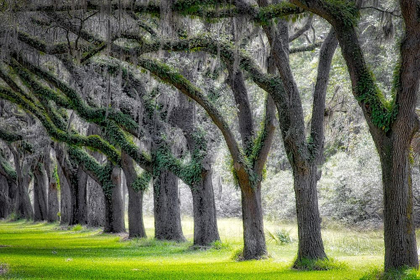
(47, 251)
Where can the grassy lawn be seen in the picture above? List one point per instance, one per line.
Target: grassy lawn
(46, 251)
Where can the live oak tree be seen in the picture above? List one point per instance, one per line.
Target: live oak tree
(392, 122)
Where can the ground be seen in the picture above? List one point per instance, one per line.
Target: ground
(47, 251)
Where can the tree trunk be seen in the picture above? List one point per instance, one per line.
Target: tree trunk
(135, 199)
(5, 202)
(204, 208)
(135, 214)
(65, 198)
(166, 208)
(23, 205)
(399, 230)
(53, 204)
(309, 222)
(96, 204)
(80, 212)
(252, 217)
(40, 193)
(114, 212)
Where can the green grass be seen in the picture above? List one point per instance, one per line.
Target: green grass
(47, 251)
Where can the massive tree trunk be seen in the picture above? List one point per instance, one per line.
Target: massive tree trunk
(135, 213)
(23, 206)
(40, 193)
(65, 198)
(80, 211)
(252, 218)
(135, 199)
(52, 199)
(399, 229)
(114, 212)
(166, 208)
(308, 218)
(96, 204)
(53, 204)
(73, 181)
(5, 201)
(204, 209)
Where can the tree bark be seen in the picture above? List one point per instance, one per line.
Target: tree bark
(252, 218)
(52, 199)
(135, 214)
(135, 200)
(309, 222)
(399, 229)
(5, 201)
(65, 197)
(40, 193)
(53, 204)
(166, 208)
(23, 205)
(114, 212)
(204, 208)
(81, 208)
(23, 202)
(96, 204)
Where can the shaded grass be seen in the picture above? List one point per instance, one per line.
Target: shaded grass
(48, 251)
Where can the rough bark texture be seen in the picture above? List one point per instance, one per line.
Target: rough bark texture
(5, 201)
(23, 206)
(166, 208)
(53, 204)
(308, 218)
(40, 193)
(65, 198)
(96, 204)
(114, 212)
(204, 209)
(135, 200)
(399, 229)
(81, 210)
(252, 217)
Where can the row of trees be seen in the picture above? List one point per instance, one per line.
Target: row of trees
(82, 63)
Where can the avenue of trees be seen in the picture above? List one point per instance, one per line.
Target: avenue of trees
(97, 95)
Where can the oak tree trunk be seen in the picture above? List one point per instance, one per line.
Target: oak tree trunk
(114, 211)
(53, 204)
(80, 212)
(399, 230)
(204, 208)
(166, 208)
(309, 221)
(5, 200)
(65, 198)
(96, 204)
(252, 218)
(23, 205)
(40, 193)
(135, 214)
(135, 199)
